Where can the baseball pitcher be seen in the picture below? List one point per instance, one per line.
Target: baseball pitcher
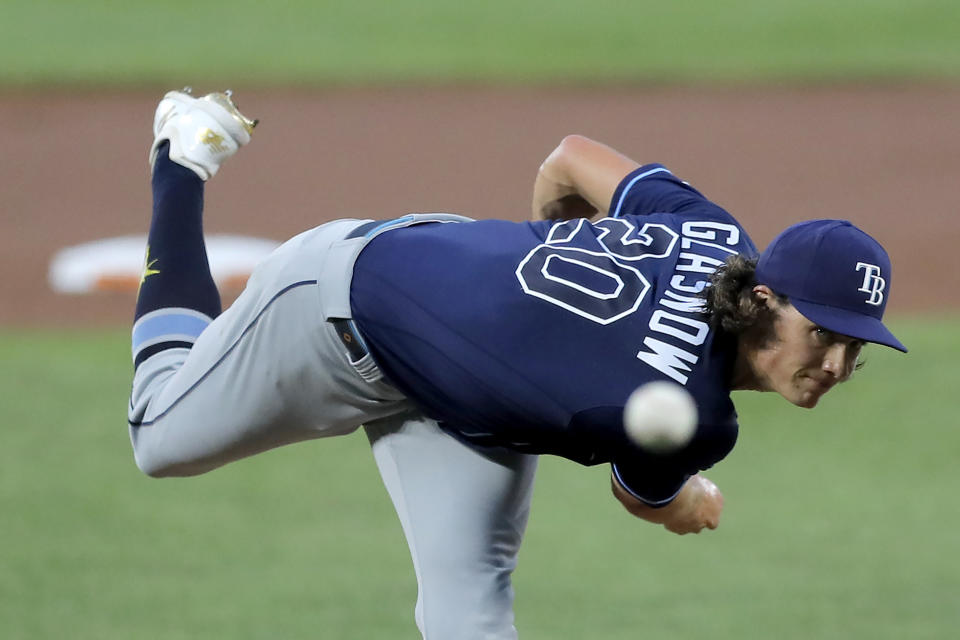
(465, 349)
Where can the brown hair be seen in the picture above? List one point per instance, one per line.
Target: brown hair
(729, 302)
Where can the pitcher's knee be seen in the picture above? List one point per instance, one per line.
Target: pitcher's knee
(152, 467)
(160, 466)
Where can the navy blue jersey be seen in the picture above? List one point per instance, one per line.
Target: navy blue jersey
(532, 335)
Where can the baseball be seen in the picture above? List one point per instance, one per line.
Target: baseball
(660, 416)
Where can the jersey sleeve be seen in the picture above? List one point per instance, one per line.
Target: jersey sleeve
(656, 480)
(652, 188)
(597, 435)
(650, 483)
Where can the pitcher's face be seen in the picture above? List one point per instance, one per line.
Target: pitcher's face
(802, 361)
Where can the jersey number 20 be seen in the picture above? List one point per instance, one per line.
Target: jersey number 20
(593, 269)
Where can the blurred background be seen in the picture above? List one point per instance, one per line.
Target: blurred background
(840, 523)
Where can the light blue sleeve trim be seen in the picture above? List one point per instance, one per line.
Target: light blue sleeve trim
(651, 503)
(389, 223)
(174, 323)
(626, 189)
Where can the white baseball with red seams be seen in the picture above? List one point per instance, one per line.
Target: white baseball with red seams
(660, 416)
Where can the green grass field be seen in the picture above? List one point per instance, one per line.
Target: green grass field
(840, 522)
(245, 42)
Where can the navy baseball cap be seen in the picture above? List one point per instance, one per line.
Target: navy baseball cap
(836, 275)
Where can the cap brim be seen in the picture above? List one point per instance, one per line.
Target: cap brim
(848, 323)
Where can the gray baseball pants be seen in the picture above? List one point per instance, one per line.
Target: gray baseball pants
(273, 370)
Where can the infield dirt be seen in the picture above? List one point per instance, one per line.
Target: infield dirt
(73, 168)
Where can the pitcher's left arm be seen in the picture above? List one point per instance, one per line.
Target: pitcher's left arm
(578, 179)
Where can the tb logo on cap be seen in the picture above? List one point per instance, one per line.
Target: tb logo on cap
(872, 283)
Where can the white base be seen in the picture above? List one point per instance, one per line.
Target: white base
(116, 264)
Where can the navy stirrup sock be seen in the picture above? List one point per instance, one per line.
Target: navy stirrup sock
(178, 297)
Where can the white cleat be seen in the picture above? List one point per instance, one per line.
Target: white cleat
(203, 132)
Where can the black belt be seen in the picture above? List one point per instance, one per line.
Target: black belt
(347, 331)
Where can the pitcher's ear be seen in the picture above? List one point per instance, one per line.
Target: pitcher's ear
(765, 295)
